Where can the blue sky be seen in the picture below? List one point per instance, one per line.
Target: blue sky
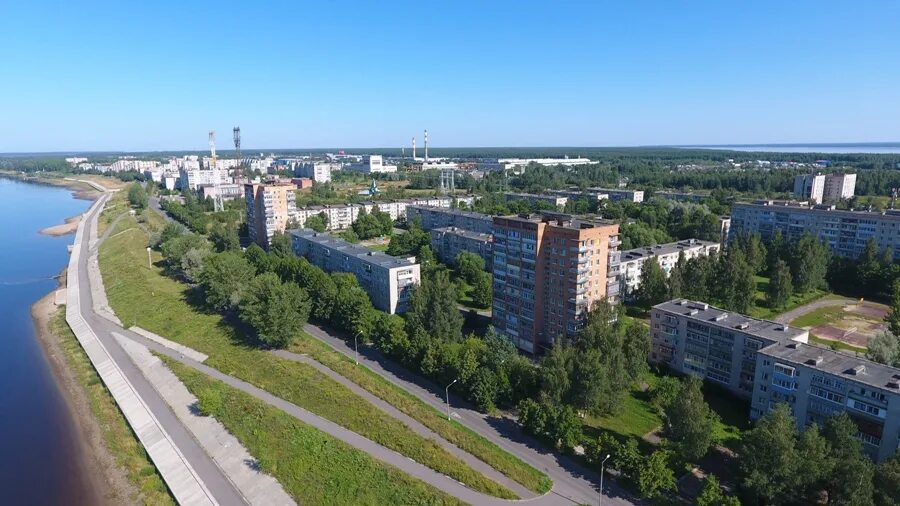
(158, 75)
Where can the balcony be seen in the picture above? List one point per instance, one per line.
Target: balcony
(614, 242)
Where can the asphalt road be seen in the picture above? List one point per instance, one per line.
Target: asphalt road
(213, 478)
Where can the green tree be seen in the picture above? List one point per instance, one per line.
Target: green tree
(280, 245)
(433, 309)
(470, 266)
(737, 286)
(652, 289)
(192, 263)
(483, 290)
(137, 196)
(713, 495)
(275, 310)
(676, 278)
(174, 251)
(887, 476)
(809, 263)
(224, 238)
(170, 231)
(780, 286)
(851, 483)
(224, 279)
(691, 422)
(664, 392)
(884, 349)
(317, 222)
(655, 478)
(755, 252)
(769, 462)
(815, 465)
(893, 317)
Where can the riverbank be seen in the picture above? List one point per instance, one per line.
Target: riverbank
(80, 190)
(113, 460)
(66, 228)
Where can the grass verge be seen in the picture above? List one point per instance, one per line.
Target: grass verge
(453, 431)
(313, 468)
(837, 345)
(761, 310)
(115, 431)
(144, 296)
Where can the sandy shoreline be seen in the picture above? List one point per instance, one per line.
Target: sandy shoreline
(106, 478)
(66, 228)
(81, 191)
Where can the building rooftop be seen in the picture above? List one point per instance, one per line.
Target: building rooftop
(805, 206)
(837, 363)
(613, 190)
(464, 233)
(665, 249)
(532, 195)
(713, 316)
(448, 210)
(360, 252)
(562, 220)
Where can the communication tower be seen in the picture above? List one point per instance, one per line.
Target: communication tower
(218, 201)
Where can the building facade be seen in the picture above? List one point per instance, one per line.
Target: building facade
(619, 194)
(192, 179)
(371, 164)
(693, 197)
(433, 217)
(818, 382)
(229, 191)
(448, 242)
(695, 338)
(341, 216)
(319, 172)
(818, 188)
(269, 208)
(844, 232)
(666, 255)
(548, 272)
(388, 280)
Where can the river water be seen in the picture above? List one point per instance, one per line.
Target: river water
(39, 450)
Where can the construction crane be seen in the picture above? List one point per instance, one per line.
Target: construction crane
(218, 201)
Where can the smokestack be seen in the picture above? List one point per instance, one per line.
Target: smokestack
(426, 145)
(414, 148)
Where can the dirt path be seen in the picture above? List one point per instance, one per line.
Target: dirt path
(107, 479)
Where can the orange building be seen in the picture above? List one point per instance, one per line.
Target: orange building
(548, 272)
(269, 208)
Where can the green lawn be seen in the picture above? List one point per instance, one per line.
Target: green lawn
(837, 345)
(820, 316)
(146, 297)
(734, 416)
(761, 310)
(313, 468)
(378, 247)
(114, 429)
(435, 420)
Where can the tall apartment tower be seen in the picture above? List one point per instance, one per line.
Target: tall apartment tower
(810, 186)
(548, 272)
(269, 208)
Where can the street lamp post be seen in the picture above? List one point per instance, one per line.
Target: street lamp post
(448, 397)
(356, 346)
(149, 259)
(602, 463)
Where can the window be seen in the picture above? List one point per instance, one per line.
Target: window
(785, 370)
(825, 394)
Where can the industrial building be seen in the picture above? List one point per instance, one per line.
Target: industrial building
(433, 217)
(666, 255)
(388, 280)
(549, 270)
(844, 232)
(818, 382)
(371, 164)
(713, 344)
(448, 242)
(269, 208)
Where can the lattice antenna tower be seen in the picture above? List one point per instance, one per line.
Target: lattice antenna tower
(237, 147)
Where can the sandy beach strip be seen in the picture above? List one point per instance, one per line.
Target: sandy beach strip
(69, 227)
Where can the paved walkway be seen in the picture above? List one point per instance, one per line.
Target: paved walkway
(190, 474)
(797, 312)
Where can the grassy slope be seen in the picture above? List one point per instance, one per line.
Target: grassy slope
(116, 434)
(313, 467)
(454, 432)
(151, 300)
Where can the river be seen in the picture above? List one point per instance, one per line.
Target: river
(39, 448)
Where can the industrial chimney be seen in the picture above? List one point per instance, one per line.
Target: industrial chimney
(426, 146)
(414, 148)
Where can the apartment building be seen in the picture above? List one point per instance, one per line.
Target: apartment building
(448, 242)
(341, 216)
(577, 194)
(818, 382)
(820, 188)
(388, 280)
(194, 178)
(548, 272)
(229, 191)
(319, 172)
(439, 217)
(693, 197)
(619, 194)
(717, 346)
(269, 208)
(666, 255)
(844, 232)
(557, 201)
